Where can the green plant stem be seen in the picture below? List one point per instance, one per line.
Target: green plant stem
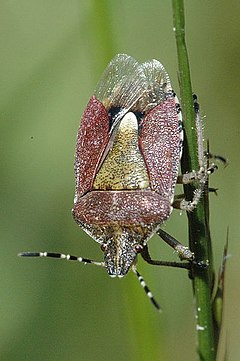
(199, 234)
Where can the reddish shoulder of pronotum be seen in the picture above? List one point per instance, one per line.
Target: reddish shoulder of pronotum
(128, 151)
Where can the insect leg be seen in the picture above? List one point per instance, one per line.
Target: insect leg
(183, 251)
(181, 197)
(218, 158)
(213, 157)
(68, 257)
(146, 256)
(201, 176)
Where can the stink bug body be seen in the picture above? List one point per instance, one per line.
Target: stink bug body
(128, 151)
(127, 158)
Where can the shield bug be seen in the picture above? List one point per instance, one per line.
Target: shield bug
(128, 151)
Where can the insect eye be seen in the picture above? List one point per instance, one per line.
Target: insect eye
(103, 247)
(138, 248)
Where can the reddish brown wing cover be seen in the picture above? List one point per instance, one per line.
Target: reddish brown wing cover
(92, 138)
(160, 143)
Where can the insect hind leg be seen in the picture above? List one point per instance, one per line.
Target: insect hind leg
(200, 176)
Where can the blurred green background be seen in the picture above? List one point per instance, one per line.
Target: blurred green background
(52, 55)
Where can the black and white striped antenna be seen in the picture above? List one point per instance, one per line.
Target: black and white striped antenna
(69, 257)
(146, 289)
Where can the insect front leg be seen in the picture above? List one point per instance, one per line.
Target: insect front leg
(183, 252)
(146, 256)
